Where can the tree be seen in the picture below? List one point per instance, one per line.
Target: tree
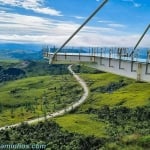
(1, 108)
(12, 112)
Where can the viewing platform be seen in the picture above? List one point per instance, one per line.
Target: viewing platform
(113, 60)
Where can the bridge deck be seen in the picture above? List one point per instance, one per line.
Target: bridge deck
(136, 68)
(113, 56)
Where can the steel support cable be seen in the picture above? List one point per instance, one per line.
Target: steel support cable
(139, 40)
(83, 24)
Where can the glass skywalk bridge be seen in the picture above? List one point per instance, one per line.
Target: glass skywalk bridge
(114, 60)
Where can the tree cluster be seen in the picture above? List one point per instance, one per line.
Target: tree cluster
(52, 135)
(110, 87)
(123, 121)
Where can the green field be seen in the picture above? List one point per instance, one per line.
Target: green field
(115, 115)
(82, 124)
(111, 99)
(132, 94)
(31, 97)
(9, 61)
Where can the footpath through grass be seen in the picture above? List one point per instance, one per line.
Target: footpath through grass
(114, 117)
(117, 108)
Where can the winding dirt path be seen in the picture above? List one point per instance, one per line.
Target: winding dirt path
(65, 110)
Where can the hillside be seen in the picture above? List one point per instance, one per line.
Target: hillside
(115, 115)
(20, 55)
(33, 90)
(13, 70)
(117, 109)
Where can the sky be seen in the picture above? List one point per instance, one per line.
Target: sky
(51, 22)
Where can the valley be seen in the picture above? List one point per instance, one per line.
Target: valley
(114, 116)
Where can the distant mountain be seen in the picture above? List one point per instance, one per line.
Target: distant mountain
(70, 50)
(33, 51)
(27, 51)
(29, 47)
(20, 54)
(21, 51)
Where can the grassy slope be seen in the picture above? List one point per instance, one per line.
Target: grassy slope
(9, 61)
(34, 91)
(82, 124)
(130, 96)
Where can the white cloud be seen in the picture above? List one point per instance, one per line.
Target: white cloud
(17, 23)
(19, 28)
(103, 40)
(105, 21)
(79, 17)
(137, 5)
(34, 5)
(90, 29)
(116, 25)
(112, 24)
(133, 2)
(83, 39)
